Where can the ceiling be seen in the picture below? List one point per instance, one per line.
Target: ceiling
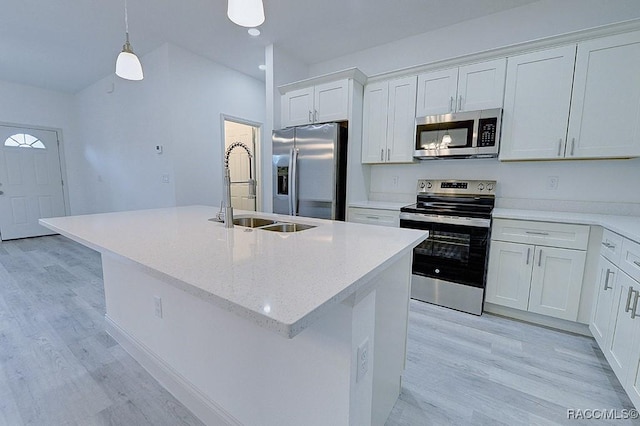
(66, 45)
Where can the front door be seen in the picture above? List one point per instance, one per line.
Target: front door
(30, 181)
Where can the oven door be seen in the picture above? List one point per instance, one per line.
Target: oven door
(452, 252)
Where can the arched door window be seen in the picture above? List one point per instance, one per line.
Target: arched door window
(24, 140)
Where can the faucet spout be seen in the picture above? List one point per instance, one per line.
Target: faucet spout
(228, 210)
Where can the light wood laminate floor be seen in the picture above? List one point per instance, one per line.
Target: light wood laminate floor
(59, 367)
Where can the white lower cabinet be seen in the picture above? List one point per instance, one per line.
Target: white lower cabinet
(603, 300)
(545, 277)
(383, 217)
(615, 317)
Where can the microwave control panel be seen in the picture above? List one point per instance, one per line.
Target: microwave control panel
(487, 131)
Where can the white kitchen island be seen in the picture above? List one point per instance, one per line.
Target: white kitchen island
(255, 327)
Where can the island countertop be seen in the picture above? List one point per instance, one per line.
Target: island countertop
(280, 281)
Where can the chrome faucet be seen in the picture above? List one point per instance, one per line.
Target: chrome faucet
(227, 214)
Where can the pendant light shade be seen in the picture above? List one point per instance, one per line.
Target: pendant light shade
(128, 65)
(246, 13)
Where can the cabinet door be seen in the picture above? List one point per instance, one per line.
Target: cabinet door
(536, 104)
(605, 108)
(633, 377)
(297, 107)
(331, 101)
(374, 122)
(437, 92)
(603, 301)
(481, 86)
(618, 350)
(556, 282)
(401, 120)
(509, 274)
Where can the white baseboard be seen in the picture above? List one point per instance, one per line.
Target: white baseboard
(557, 323)
(184, 391)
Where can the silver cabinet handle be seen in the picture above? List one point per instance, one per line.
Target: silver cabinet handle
(635, 261)
(606, 280)
(451, 104)
(609, 246)
(460, 103)
(560, 147)
(388, 154)
(573, 145)
(540, 259)
(536, 233)
(315, 115)
(373, 217)
(635, 305)
(627, 305)
(528, 253)
(382, 155)
(310, 117)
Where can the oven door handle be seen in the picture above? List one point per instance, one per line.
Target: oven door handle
(463, 221)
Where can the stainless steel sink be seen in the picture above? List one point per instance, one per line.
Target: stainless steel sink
(287, 227)
(252, 222)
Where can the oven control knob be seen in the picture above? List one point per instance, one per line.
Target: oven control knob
(481, 186)
(422, 185)
(429, 185)
(437, 271)
(490, 187)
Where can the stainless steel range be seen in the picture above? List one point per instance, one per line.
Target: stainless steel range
(449, 267)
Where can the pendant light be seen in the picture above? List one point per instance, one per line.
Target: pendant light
(246, 13)
(128, 65)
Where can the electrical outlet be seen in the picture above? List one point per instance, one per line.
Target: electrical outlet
(395, 181)
(165, 178)
(552, 182)
(158, 306)
(363, 360)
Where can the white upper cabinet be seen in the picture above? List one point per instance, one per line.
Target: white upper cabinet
(536, 104)
(322, 103)
(605, 107)
(467, 88)
(558, 105)
(389, 121)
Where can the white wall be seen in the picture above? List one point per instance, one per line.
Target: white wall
(533, 21)
(31, 106)
(119, 122)
(200, 91)
(603, 181)
(178, 106)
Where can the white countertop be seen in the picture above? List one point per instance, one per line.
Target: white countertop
(280, 281)
(627, 226)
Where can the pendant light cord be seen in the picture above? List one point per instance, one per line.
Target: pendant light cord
(126, 19)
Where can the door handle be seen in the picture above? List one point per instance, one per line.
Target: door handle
(315, 115)
(528, 253)
(635, 305)
(635, 261)
(290, 175)
(382, 155)
(560, 147)
(294, 185)
(573, 145)
(627, 306)
(606, 280)
(460, 103)
(536, 233)
(451, 104)
(609, 246)
(388, 154)
(540, 259)
(310, 117)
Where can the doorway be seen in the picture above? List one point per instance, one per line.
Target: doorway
(30, 181)
(243, 166)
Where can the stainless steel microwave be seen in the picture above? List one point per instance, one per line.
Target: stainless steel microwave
(471, 134)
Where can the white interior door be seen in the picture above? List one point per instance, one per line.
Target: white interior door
(30, 181)
(241, 167)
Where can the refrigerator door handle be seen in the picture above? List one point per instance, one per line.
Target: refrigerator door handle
(290, 182)
(293, 195)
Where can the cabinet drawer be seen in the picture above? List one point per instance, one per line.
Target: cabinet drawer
(374, 216)
(561, 235)
(611, 246)
(630, 259)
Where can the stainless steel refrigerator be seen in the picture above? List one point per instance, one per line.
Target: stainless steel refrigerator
(310, 171)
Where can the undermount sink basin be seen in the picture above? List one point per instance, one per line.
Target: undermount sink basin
(287, 227)
(252, 222)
